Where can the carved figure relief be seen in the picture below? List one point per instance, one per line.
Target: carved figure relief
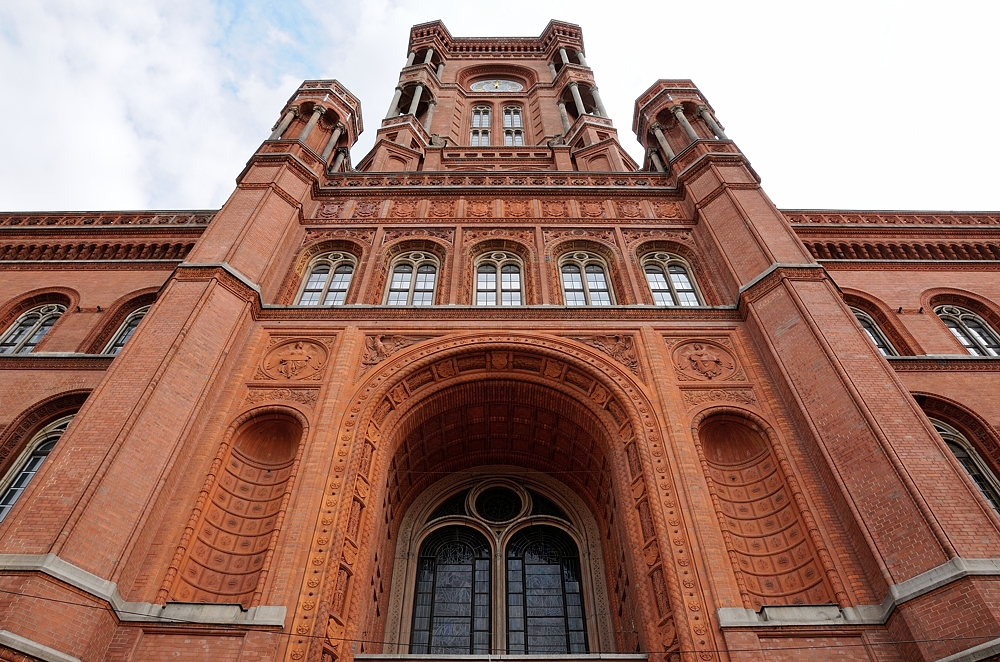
(553, 209)
(380, 347)
(700, 360)
(517, 208)
(592, 209)
(619, 347)
(329, 210)
(295, 359)
(629, 209)
(367, 209)
(479, 208)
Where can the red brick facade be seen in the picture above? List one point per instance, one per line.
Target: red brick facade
(746, 477)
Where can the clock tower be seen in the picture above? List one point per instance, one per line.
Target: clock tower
(496, 104)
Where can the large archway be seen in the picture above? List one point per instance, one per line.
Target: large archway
(548, 405)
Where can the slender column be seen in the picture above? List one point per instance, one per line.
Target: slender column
(431, 105)
(563, 115)
(562, 54)
(706, 115)
(394, 106)
(290, 115)
(678, 112)
(416, 100)
(657, 130)
(577, 99)
(581, 58)
(318, 111)
(411, 58)
(338, 130)
(339, 161)
(597, 100)
(440, 70)
(552, 70)
(655, 159)
(429, 56)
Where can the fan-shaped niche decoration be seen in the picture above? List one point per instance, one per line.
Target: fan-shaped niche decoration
(242, 512)
(774, 557)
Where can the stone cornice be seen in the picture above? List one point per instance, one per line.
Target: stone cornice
(904, 219)
(88, 265)
(910, 265)
(652, 314)
(507, 181)
(101, 219)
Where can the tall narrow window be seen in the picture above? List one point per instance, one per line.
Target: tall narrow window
(507, 290)
(584, 280)
(451, 608)
(544, 600)
(973, 464)
(25, 333)
(513, 127)
(875, 333)
(480, 135)
(970, 330)
(24, 470)
(670, 281)
(328, 281)
(413, 279)
(125, 331)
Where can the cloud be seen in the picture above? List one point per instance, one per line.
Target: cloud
(159, 104)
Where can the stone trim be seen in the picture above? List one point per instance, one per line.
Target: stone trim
(141, 612)
(944, 363)
(55, 361)
(487, 658)
(826, 615)
(33, 648)
(980, 652)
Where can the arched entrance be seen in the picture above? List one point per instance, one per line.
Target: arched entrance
(545, 406)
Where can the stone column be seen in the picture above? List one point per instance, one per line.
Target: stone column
(562, 54)
(440, 70)
(678, 112)
(338, 130)
(657, 130)
(577, 99)
(563, 115)
(416, 99)
(431, 105)
(338, 162)
(581, 58)
(716, 128)
(394, 106)
(429, 56)
(411, 58)
(655, 160)
(290, 114)
(318, 111)
(597, 100)
(552, 70)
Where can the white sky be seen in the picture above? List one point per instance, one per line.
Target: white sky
(146, 104)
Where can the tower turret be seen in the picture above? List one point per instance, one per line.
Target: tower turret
(671, 116)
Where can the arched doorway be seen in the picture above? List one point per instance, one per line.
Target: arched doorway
(453, 406)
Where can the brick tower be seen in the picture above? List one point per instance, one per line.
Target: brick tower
(499, 390)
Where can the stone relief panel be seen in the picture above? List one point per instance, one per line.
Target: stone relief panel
(444, 234)
(619, 347)
(404, 209)
(441, 208)
(606, 235)
(303, 396)
(379, 347)
(592, 209)
(554, 209)
(361, 236)
(695, 397)
(294, 359)
(629, 209)
(330, 210)
(517, 208)
(667, 210)
(479, 208)
(705, 360)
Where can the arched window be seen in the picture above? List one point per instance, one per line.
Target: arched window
(125, 331)
(971, 330)
(413, 279)
(329, 278)
(970, 460)
(584, 280)
(670, 280)
(513, 127)
(875, 333)
(451, 607)
(480, 135)
(540, 586)
(28, 464)
(498, 280)
(25, 333)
